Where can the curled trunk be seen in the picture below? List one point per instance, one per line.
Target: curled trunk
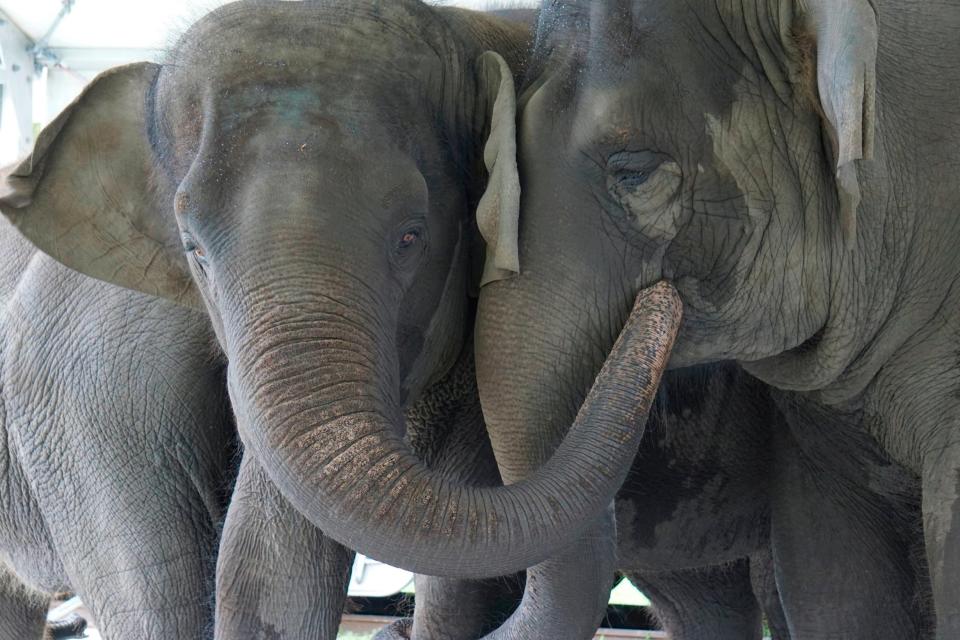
(338, 454)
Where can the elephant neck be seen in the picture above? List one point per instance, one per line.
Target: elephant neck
(895, 285)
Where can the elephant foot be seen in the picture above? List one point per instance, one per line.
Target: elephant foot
(72, 626)
(399, 630)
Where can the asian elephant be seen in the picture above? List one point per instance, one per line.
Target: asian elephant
(790, 167)
(115, 452)
(319, 214)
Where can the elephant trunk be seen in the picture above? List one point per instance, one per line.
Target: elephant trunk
(315, 403)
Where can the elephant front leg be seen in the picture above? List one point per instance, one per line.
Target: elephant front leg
(23, 612)
(566, 596)
(763, 579)
(462, 609)
(450, 609)
(704, 603)
(842, 565)
(278, 576)
(941, 528)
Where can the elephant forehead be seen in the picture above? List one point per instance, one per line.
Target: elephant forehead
(361, 126)
(654, 115)
(301, 42)
(296, 108)
(300, 67)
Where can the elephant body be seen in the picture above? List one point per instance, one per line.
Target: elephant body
(116, 446)
(790, 168)
(270, 550)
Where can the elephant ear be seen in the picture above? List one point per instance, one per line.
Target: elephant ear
(846, 36)
(86, 195)
(498, 214)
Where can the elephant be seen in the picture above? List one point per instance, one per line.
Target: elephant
(789, 166)
(322, 233)
(116, 452)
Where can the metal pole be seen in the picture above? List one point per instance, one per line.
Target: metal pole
(42, 56)
(16, 76)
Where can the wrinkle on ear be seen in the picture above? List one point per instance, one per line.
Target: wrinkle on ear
(498, 213)
(845, 36)
(85, 195)
(805, 66)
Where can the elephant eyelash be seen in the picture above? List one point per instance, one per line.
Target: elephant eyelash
(631, 179)
(191, 247)
(635, 162)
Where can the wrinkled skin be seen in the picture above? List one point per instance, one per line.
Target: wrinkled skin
(324, 232)
(847, 529)
(115, 450)
(692, 523)
(693, 517)
(800, 192)
(300, 575)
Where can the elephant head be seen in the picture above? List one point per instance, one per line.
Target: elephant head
(303, 172)
(713, 145)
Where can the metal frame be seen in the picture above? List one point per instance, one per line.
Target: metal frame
(16, 77)
(43, 56)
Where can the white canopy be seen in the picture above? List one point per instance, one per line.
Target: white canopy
(123, 24)
(90, 36)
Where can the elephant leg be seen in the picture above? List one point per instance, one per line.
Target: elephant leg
(278, 576)
(566, 596)
(941, 527)
(764, 581)
(842, 570)
(704, 603)
(450, 609)
(137, 539)
(23, 612)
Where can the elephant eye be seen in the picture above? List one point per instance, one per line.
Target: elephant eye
(409, 238)
(630, 180)
(646, 186)
(635, 176)
(629, 169)
(409, 244)
(191, 247)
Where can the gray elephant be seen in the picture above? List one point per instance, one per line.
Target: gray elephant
(323, 233)
(116, 445)
(791, 168)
